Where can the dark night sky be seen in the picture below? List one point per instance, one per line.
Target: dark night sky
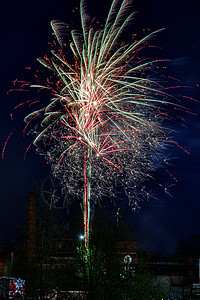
(25, 32)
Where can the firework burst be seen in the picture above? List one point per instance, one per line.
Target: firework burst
(102, 128)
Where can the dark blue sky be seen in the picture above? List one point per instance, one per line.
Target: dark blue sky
(25, 32)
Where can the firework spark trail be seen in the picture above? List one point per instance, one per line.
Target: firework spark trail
(102, 128)
(5, 144)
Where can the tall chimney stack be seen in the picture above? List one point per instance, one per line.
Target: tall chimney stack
(31, 227)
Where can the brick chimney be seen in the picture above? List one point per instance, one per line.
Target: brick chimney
(31, 227)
